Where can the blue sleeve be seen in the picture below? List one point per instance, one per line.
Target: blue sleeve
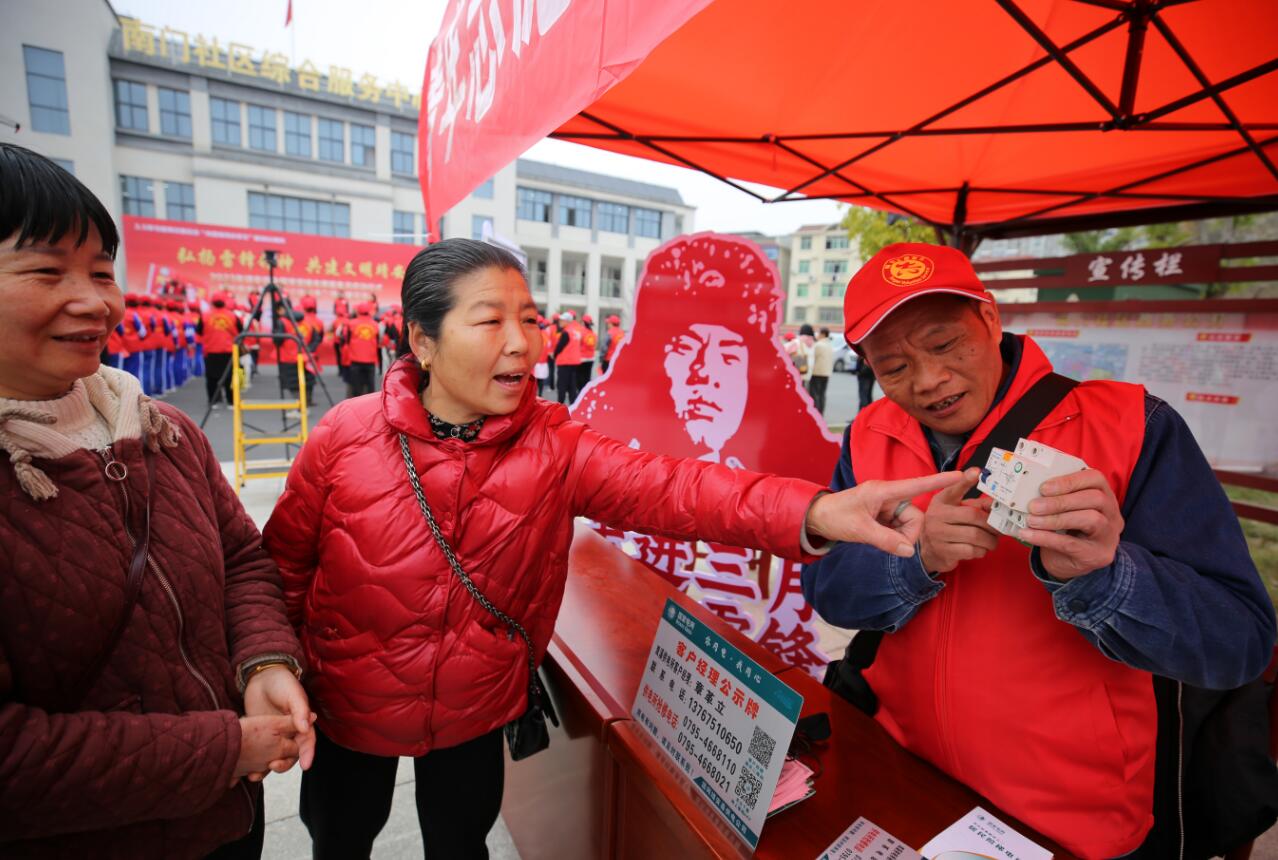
(862, 588)
(1182, 597)
(138, 326)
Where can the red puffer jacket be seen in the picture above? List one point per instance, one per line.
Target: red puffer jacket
(140, 767)
(402, 660)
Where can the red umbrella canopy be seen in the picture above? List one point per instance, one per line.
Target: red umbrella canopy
(1000, 117)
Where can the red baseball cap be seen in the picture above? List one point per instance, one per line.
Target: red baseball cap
(904, 271)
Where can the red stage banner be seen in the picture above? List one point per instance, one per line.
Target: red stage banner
(702, 374)
(504, 74)
(206, 258)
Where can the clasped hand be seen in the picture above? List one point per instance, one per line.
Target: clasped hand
(277, 729)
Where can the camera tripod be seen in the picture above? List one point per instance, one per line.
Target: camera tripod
(280, 306)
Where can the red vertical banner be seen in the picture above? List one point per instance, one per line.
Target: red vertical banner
(502, 75)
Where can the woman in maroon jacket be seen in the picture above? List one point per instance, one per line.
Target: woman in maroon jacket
(148, 674)
(403, 660)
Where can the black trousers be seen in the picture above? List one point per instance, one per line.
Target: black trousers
(215, 364)
(585, 370)
(346, 798)
(817, 386)
(865, 385)
(360, 378)
(568, 382)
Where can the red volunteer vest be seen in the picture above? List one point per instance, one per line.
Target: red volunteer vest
(219, 331)
(615, 334)
(133, 342)
(986, 683)
(154, 329)
(572, 352)
(363, 340)
(589, 343)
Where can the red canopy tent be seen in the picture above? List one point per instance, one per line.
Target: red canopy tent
(986, 118)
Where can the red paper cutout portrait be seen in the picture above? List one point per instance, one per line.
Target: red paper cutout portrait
(702, 374)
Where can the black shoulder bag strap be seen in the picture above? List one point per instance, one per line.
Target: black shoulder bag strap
(132, 581)
(844, 676)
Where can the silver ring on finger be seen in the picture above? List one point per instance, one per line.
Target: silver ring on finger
(900, 509)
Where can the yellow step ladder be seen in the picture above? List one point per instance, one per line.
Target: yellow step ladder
(246, 470)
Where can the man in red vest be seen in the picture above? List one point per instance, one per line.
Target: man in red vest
(341, 319)
(568, 358)
(1025, 669)
(152, 347)
(134, 333)
(195, 350)
(612, 341)
(589, 346)
(360, 342)
(218, 328)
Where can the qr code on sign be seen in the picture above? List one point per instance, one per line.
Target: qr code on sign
(748, 788)
(762, 746)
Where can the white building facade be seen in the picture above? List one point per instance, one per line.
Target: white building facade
(167, 124)
(822, 260)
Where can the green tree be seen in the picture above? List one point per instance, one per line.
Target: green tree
(1099, 241)
(873, 230)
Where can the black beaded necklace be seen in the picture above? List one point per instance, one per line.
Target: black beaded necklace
(465, 432)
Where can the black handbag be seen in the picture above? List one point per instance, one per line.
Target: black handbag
(526, 734)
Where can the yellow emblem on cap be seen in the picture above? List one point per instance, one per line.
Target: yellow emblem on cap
(907, 270)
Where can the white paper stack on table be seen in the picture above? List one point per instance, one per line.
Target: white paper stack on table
(1013, 479)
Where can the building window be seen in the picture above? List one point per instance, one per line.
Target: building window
(65, 163)
(801, 291)
(835, 242)
(404, 227)
(402, 161)
(805, 243)
(832, 290)
(226, 121)
(477, 224)
(836, 267)
(297, 134)
(363, 145)
(573, 280)
(332, 140)
(830, 315)
(130, 105)
(139, 198)
(537, 274)
(614, 217)
(533, 205)
(296, 215)
(574, 211)
(648, 223)
(798, 314)
(261, 124)
(772, 252)
(610, 281)
(805, 266)
(485, 190)
(47, 90)
(175, 112)
(179, 201)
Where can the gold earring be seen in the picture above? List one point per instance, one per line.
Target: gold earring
(425, 364)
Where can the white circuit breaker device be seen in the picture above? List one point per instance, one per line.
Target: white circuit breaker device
(1013, 478)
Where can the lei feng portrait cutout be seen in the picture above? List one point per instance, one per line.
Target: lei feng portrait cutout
(702, 374)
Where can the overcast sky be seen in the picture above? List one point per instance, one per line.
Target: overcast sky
(390, 39)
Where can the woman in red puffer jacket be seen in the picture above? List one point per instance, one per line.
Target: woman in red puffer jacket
(403, 661)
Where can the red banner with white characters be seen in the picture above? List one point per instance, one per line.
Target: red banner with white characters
(702, 374)
(197, 260)
(502, 75)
